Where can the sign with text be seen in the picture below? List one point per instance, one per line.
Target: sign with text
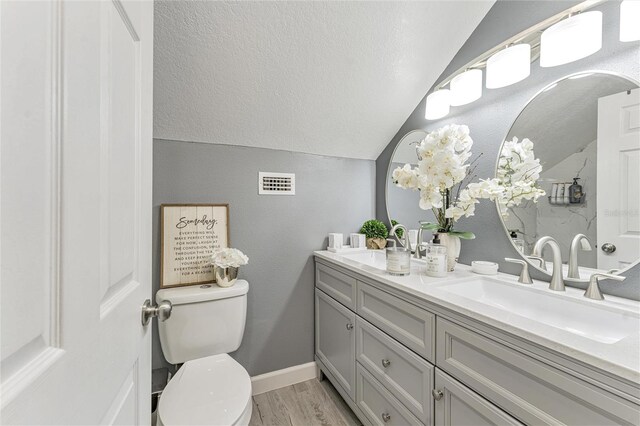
(190, 233)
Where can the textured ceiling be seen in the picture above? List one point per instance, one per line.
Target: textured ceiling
(330, 78)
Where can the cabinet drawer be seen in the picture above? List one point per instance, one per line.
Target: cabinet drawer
(459, 405)
(410, 325)
(340, 286)
(407, 376)
(378, 405)
(528, 389)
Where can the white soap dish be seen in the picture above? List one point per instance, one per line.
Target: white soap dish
(484, 268)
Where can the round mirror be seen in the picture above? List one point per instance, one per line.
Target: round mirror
(585, 131)
(404, 153)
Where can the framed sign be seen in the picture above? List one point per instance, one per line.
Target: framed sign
(189, 234)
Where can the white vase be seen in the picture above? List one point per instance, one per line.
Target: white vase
(452, 243)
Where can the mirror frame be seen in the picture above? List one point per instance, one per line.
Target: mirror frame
(386, 186)
(495, 172)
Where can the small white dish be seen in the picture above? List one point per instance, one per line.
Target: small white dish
(484, 268)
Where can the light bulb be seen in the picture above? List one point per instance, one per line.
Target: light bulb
(630, 20)
(571, 39)
(438, 104)
(509, 66)
(466, 87)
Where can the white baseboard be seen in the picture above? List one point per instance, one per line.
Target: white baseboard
(282, 378)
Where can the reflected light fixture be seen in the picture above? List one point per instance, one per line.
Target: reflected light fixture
(571, 39)
(438, 104)
(630, 20)
(509, 66)
(466, 87)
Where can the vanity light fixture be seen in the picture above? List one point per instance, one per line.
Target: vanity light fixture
(466, 87)
(438, 104)
(630, 20)
(573, 38)
(509, 66)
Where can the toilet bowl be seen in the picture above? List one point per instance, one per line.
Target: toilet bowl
(211, 388)
(215, 390)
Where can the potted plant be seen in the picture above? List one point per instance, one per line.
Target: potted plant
(443, 177)
(376, 233)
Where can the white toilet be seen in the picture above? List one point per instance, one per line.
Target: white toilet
(211, 388)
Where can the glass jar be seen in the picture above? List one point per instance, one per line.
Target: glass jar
(436, 260)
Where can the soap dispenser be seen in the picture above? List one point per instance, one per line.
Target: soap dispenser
(575, 192)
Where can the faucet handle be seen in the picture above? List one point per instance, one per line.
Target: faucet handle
(593, 291)
(540, 260)
(524, 278)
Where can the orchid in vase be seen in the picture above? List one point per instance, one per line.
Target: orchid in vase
(444, 178)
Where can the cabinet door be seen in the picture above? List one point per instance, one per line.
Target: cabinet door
(458, 405)
(336, 340)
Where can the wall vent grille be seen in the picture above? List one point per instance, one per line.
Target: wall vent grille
(270, 183)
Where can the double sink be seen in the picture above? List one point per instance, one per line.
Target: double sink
(606, 322)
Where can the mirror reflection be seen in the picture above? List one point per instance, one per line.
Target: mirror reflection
(584, 131)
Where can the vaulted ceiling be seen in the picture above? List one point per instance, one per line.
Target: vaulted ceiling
(329, 78)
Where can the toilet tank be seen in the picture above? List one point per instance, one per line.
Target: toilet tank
(205, 320)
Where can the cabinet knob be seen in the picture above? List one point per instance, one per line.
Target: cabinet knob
(386, 363)
(437, 394)
(386, 417)
(349, 326)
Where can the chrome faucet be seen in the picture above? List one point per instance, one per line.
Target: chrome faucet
(573, 254)
(541, 262)
(405, 236)
(419, 245)
(557, 283)
(593, 291)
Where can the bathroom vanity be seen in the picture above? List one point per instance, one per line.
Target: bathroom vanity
(472, 349)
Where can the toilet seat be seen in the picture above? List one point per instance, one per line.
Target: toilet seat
(214, 390)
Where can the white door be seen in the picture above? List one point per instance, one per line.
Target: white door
(618, 187)
(75, 174)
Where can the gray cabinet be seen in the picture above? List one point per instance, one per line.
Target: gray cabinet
(458, 405)
(394, 355)
(336, 340)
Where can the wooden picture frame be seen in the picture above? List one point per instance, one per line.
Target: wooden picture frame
(188, 235)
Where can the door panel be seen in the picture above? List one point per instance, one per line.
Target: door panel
(336, 340)
(618, 187)
(76, 85)
(460, 406)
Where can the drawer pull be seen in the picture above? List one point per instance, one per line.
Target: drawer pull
(386, 363)
(386, 417)
(437, 394)
(349, 326)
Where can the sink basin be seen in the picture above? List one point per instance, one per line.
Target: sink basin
(597, 321)
(373, 258)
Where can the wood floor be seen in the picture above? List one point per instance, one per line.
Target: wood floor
(308, 403)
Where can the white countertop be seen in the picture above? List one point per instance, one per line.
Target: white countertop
(621, 358)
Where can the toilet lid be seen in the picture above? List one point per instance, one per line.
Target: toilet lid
(206, 391)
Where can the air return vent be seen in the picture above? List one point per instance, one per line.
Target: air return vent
(276, 183)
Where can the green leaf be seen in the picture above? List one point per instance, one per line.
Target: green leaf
(465, 235)
(430, 226)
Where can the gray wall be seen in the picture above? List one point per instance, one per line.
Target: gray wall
(491, 117)
(278, 233)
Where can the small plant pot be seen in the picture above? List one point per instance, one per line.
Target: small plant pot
(376, 243)
(225, 277)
